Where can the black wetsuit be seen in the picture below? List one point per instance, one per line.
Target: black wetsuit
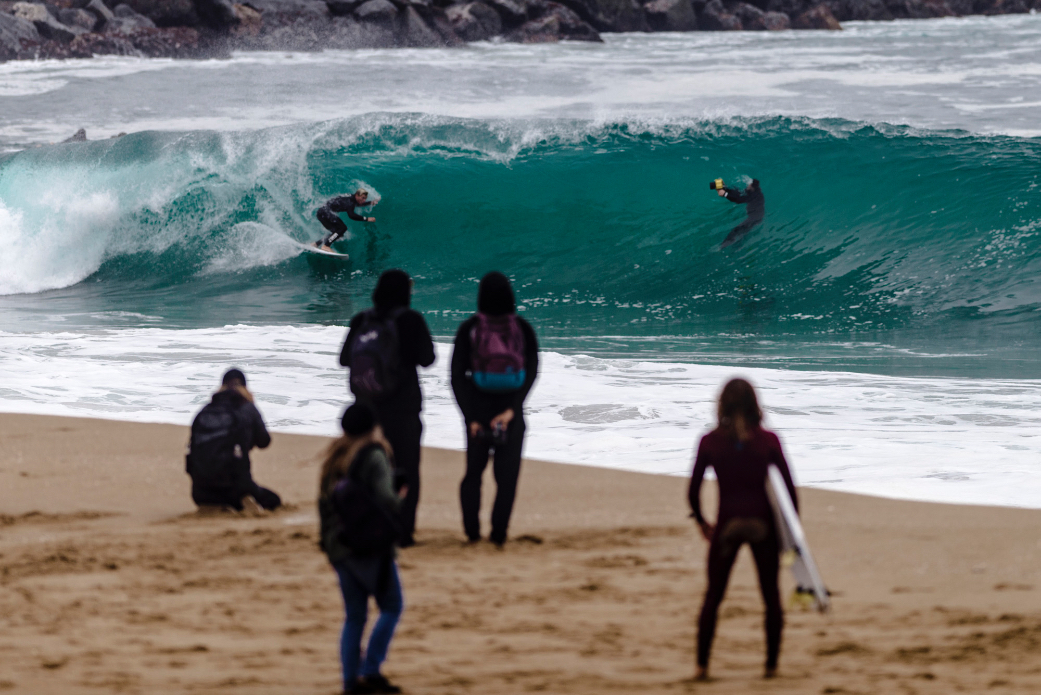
(331, 221)
(756, 207)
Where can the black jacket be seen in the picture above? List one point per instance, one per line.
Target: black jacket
(416, 349)
(250, 432)
(752, 197)
(481, 406)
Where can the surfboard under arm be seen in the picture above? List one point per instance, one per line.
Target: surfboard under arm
(793, 540)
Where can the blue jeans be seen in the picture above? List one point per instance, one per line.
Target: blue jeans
(356, 603)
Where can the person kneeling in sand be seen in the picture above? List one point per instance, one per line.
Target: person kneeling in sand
(740, 451)
(218, 452)
(358, 510)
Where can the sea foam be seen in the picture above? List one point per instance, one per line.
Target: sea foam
(939, 439)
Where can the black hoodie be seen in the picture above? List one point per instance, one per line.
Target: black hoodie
(416, 348)
(494, 298)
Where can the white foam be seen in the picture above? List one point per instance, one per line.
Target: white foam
(952, 440)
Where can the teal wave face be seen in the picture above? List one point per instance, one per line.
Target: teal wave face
(607, 230)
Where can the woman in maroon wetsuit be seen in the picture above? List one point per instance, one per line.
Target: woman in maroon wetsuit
(740, 450)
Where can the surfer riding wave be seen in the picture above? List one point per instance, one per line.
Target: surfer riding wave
(330, 219)
(752, 197)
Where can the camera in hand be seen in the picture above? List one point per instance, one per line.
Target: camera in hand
(716, 185)
(494, 436)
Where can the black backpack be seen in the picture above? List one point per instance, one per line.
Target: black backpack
(215, 451)
(376, 356)
(367, 527)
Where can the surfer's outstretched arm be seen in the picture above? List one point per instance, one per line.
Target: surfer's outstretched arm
(734, 195)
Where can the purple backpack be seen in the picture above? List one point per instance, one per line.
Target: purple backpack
(497, 353)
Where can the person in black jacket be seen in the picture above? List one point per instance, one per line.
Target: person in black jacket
(752, 198)
(398, 412)
(248, 431)
(494, 420)
(327, 215)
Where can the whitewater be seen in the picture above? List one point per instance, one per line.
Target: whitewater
(887, 309)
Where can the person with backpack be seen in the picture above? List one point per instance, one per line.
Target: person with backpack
(358, 510)
(494, 364)
(383, 348)
(740, 451)
(222, 435)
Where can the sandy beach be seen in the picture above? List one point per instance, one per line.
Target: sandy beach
(110, 581)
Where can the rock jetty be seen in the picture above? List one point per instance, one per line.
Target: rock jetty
(208, 28)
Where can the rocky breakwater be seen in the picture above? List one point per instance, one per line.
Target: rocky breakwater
(204, 28)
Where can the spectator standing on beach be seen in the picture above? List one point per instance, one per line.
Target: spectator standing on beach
(222, 435)
(494, 364)
(383, 348)
(358, 509)
(739, 450)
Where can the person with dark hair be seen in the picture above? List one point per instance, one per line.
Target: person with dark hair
(383, 348)
(361, 457)
(739, 450)
(494, 364)
(327, 215)
(222, 435)
(752, 198)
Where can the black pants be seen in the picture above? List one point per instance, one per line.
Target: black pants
(332, 222)
(738, 232)
(404, 433)
(232, 496)
(506, 467)
(762, 538)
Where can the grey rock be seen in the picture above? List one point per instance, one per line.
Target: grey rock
(13, 32)
(77, 18)
(44, 21)
(350, 33)
(79, 136)
(918, 9)
(293, 15)
(610, 15)
(553, 22)
(101, 13)
(788, 7)
(474, 21)
(777, 21)
(752, 18)
(342, 8)
(819, 17)
(671, 15)
(715, 17)
(376, 11)
(125, 21)
(512, 13)
(439, 22)
(166, 13)
(855, 10)
(415, 32)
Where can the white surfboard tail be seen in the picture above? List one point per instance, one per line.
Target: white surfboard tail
(793, 540)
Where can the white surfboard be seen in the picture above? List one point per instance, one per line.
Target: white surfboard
(311, 248)
(794, 547)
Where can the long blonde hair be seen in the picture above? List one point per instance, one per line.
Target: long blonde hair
(342, 452)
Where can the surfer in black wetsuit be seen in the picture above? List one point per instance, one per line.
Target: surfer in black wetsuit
(752, 196)
(327, 215)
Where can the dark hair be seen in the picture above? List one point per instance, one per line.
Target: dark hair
(495, 295)
(393, 289)
(358, 419)
(232, 377)
(738, 400)
(754, 184)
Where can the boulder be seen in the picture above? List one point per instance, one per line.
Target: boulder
(76, 18)
(376, 11)
(342, 8)
(166, 13)
(45, 22)
(172, 42)
(752, 18)
(715, 17)
(777, 21)
(856, 10)
(249, 21)
(961, 8)
(819, 17)
(351, 33)
(126, 21)
(993, 7)
(217, 14)
(439, 22)
(670, 15)
(100, 10)
(510, 12)
(474, 21)
(553, 22)
(15, 32)
(415, 32)
(610, 15)
(792, 8)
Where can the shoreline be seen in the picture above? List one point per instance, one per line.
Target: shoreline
(110, 582)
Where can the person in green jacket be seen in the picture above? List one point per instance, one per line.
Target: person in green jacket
(363, 455)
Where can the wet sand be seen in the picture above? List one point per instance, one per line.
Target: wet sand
(111, 582)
